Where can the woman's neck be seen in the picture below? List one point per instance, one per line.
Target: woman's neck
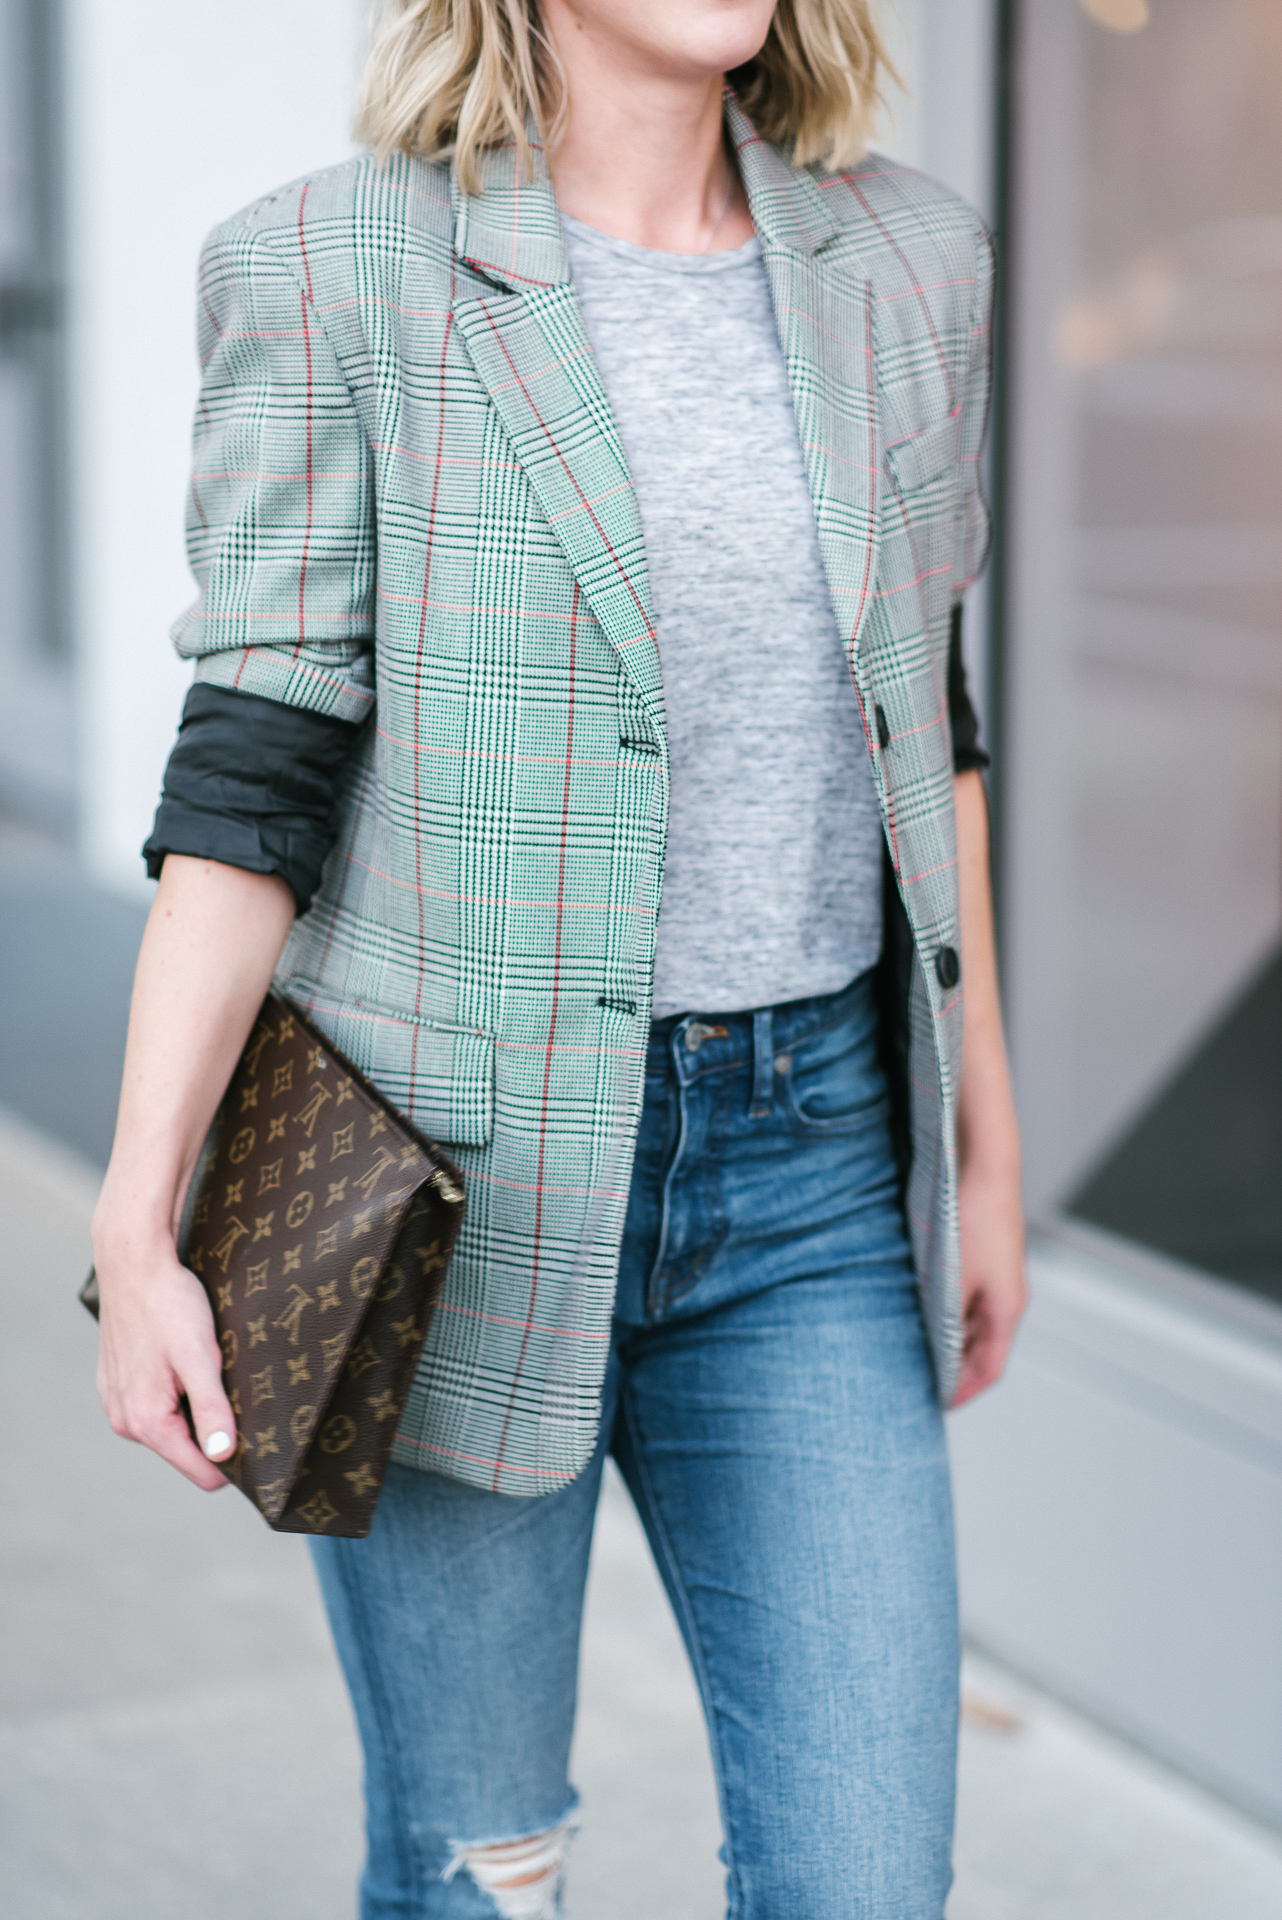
(643, 154)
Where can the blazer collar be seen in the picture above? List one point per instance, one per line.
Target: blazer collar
(788, 210)
(510, 231)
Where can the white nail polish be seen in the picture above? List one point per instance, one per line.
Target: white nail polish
(217, 1443)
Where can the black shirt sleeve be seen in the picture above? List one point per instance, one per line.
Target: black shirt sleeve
(967, 752)
(252, 783)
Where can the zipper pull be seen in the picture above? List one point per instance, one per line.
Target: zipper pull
(451, 1194)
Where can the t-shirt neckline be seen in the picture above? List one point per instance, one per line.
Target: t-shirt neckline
(655, 258)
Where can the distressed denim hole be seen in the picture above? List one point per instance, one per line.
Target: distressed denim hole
(523, 1878)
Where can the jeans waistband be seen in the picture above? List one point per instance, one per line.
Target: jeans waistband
(722, 1042)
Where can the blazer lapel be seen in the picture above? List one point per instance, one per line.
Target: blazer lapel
(522, 327)
(824, 315)
(524, 332)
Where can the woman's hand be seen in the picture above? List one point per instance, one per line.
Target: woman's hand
(212, 942)
(157, 1343)
(990, 1210)
(994, 1287)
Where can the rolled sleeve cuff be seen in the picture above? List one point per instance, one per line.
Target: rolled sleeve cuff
(252, 784)
(968, 755)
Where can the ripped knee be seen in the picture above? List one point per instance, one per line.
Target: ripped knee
(522, 1877)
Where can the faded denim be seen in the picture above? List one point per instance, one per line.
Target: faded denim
(770, 1403)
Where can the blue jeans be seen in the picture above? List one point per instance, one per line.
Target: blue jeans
(771, 1405)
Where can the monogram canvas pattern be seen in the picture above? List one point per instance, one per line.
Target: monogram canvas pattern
(410, 499)
(321, 1229)
(322, 1242)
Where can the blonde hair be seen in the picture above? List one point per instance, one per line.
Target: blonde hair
(447, 78)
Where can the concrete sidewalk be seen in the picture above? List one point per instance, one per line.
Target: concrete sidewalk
(174, 1737)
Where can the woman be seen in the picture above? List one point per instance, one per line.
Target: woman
(584, 498)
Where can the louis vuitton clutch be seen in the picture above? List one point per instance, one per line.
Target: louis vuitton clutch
(320, 1224)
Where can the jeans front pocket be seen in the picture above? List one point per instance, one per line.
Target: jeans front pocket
(831, 1082)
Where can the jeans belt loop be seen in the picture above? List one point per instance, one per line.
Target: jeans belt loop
(763, 1079)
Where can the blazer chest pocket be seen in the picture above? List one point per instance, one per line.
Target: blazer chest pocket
(440, 1077)
(925, 456)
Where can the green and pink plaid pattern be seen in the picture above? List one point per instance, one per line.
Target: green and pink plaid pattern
(410, 500)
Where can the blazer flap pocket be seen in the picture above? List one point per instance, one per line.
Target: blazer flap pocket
(440, 1077)
(926, 455)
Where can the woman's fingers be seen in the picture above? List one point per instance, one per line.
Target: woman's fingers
(152, 1414)
(982, 1367)
(195, 1370)
(992, 1316)
(211, 1412)
(168, 1434)
(159, 1348)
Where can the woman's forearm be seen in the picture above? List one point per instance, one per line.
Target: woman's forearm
(211, 944)
(987, 1130)
(990, 1210)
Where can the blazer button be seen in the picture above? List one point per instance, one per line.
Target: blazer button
(883, 729)
(948, 967)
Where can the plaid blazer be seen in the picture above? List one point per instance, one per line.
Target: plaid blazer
(410, 500)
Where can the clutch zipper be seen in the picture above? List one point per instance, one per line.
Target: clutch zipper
(445, 1187)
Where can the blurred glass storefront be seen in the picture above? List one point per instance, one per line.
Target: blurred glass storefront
(1120, 1497)
(1143, 797)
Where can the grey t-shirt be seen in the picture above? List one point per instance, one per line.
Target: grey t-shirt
(772, 878)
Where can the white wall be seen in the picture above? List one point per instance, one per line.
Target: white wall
(177, 114)
(943, 123)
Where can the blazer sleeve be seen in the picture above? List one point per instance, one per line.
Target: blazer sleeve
(970, 548)
(280, 516)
